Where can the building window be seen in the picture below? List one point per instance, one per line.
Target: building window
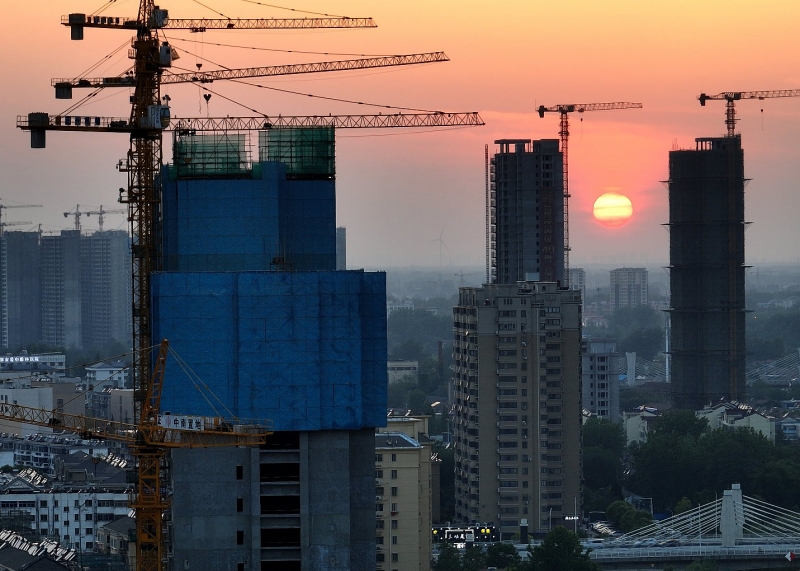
(394, 524)
(88, 517)
(379, 457)
(394, 457)
(394, 474)
(394, 558)
(77, 517)
(43, 517)
(379, 524)
(378, 474)
(239, 504)
(394, 507)
(239, 537)
(379, 557)
(240, 566)
(394, 491)
(394, 540)
(240, 472)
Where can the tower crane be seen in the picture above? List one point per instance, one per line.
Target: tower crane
(3, 225)
(7, 206)
(77, 214)
(564, 110)
(730, 98)
(149, 440)
(148, 118)
(101, 212)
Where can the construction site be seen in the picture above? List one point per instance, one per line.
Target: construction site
(286, 356)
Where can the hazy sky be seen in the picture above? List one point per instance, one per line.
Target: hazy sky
(397, 191)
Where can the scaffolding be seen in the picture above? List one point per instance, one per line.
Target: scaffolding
(306, 152)
(211, 155)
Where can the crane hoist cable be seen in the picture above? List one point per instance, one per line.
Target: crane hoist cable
(292, 9)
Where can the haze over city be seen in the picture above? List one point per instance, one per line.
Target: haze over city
(399, 191)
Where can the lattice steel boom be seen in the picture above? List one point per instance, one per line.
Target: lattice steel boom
(730, 97)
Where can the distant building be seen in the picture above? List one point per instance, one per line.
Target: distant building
(68, 290)
(706, 223)
(341, 248)
(398, 370)
(577, 281)
(737, 415)
(60, 303)
(525, 212)
(392, 306)
(110, 374)
(20, 289)
(600, 372)
(105, 289)
(403, 495)
(516, 405)
(628, 287)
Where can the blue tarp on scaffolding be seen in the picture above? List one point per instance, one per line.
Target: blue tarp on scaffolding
(305, 349)
(260, 221)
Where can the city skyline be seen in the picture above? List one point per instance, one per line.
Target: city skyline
(398, 192)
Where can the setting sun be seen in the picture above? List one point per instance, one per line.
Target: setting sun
(612, 209)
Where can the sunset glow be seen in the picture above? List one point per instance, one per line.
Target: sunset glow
(612, 209)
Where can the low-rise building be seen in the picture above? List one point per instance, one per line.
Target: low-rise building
(118, 539)
(738, 415)
(69, 515)
(398, 370)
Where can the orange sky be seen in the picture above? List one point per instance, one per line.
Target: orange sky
(398, 191)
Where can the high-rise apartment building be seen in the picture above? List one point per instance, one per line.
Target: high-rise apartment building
(525, 212)
(628, 287)
(60, 279)
(20, 289)
(105, 289)
(577, 281)
(517, 405)
(600, 371)
(67, 290)
(707, 306)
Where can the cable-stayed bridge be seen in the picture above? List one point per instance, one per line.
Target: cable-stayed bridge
(738, 532)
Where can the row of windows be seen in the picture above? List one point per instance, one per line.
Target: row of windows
(392, 474)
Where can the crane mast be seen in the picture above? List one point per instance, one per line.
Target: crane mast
(563, 133)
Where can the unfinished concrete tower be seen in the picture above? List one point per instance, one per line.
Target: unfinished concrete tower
(706, 222)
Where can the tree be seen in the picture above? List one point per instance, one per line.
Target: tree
(502, 556)
(605, 434)
(703, 565)
(615, 511)
(646, 343)
(561, 550)
(635, 519)
(474, 559)
(684, 505)
(448, 559)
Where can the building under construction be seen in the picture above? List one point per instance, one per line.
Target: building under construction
(525, 212)
(707, 305)
(249, 296)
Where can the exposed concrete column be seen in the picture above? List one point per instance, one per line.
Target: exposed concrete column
(732, 516)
